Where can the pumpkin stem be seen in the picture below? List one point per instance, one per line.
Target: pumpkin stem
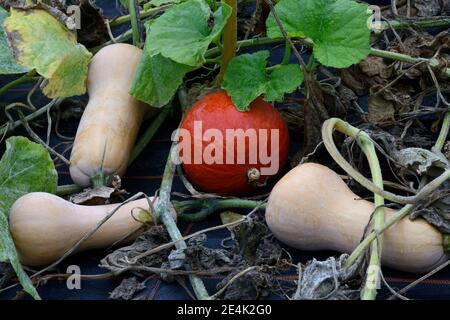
(254, 175)
(199, 209)
(229, 39)
(135, 22)
(99, 180)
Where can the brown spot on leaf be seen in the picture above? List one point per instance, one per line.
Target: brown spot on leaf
(14, 38)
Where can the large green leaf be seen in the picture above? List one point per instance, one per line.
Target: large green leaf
(25, 167)
(338, 28)
(41, 42)
(176, 43)
(183, 34)
(8, 65)
(157, 79)
(246, 78)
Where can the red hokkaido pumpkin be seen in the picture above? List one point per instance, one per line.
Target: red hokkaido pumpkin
(213, 129)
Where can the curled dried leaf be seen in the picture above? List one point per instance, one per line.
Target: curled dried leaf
(421, 161)
(329, 280)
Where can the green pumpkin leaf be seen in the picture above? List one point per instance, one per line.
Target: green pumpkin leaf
(8, 253)
(183, 34)
(176, 44)
(246, 78)
(41, 42)
(8, 65)
(25, 167)
(283, 79)
(157, 79)
(338, 28)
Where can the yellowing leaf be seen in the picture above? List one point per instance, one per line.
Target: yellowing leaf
(41, 42)
(8, 64)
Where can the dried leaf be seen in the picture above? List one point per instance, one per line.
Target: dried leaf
(95, 196)
(127, 289)
(421, 161)
(398, 97)
(250, 286)
(380, 110)
(435, 209)
(376, 66)
(329, 280)
(201, 257)
(427, 8)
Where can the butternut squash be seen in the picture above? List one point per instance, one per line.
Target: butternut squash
(311, 208)
(44, 226)
(110, 123)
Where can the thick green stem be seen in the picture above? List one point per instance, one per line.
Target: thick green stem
(163, 210)
(308, 42)
(217, 60)
(366, 144)
(149, 133)
(437, 148)
(423, 23)
(134, 22)
(311, 63)
(68, 189)
(99, 180)
(26, 78)
(287, 53)
(373, 276)
(205, 207)
(396, 56)
(442, 139)
(433, 62)
(229, 39)
(142, 14)
(246, 44)
(327, 136)
(369, 291)
(362, 247)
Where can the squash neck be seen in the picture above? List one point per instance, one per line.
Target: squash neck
(99, 180)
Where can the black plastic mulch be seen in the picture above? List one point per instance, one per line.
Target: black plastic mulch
(145, 175)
